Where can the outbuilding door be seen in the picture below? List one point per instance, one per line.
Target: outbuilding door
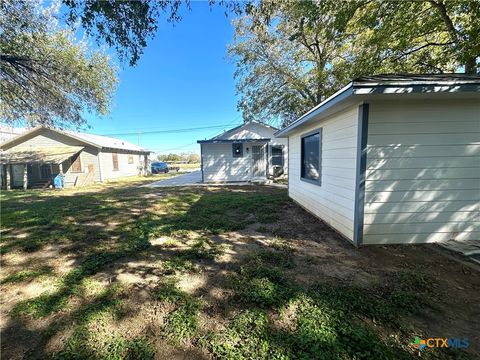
(259, 164)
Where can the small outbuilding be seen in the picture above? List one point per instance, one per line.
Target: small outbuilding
(392, 159)
(249, 152)
(35, 157)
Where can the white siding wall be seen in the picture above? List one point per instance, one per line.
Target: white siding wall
(423, 171)
(124, 168)
(219, 165)
(334, 200)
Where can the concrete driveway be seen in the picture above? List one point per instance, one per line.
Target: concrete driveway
(188, 179)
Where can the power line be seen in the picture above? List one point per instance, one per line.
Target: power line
(169, 131)
(186, 145)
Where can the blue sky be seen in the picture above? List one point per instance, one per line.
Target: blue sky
(183, 80)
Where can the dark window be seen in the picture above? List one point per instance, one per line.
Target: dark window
(277, 155)
(46, 171)
(115, 161)
(311, 156)
(237, 149)
(130, 159)
(76, 164)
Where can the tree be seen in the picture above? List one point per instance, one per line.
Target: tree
(193, 158)
(284, 54)
(188, 157)
(127, 25)
(45, 76)
(418, 36)
(124, 25)
(291, 55)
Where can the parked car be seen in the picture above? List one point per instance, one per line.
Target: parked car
(160, 167)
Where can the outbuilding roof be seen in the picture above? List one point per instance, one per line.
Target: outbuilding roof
(242, 133)
(389, 84)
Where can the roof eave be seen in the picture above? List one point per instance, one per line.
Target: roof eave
(231, 141)
(331, 101)
(142, 151)
(38, 128)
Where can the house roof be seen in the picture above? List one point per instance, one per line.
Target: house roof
(418, 79)
(364, 87)
(228, 136)
(44, 155)
(98, 141)
(106, 141)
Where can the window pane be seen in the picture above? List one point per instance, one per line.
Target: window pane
(311, 157)
(277, 155)
(46, 171)
(115, 161)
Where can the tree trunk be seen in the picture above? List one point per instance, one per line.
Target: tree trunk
(471, 65)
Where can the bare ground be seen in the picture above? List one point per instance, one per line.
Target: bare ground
(318, 253)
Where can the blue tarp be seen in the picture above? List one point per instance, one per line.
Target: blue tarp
(58, 181)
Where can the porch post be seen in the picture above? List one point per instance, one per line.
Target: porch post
(7, 176)
(25, 176)
(145, 165)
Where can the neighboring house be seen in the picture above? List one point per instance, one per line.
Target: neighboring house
(392, 159)
(248, 152)
(33, 158)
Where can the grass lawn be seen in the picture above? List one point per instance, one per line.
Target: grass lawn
(117, 271)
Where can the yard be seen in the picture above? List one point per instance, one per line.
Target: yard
(120, 271)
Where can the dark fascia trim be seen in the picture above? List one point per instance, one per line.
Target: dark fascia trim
(288, 166)
(201, 162)
(313, 132)
(231, 141)
(362, 137)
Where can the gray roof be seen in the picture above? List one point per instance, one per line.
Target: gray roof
(364, 87)
(224, 136)
(418, 79)
(105, 141)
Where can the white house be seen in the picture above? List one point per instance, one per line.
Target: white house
(34, 157)
(248, 152)
(392, 159)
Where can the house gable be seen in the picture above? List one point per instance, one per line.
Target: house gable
(43, 137)
(250, 130)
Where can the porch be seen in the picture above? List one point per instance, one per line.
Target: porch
(25, 168)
